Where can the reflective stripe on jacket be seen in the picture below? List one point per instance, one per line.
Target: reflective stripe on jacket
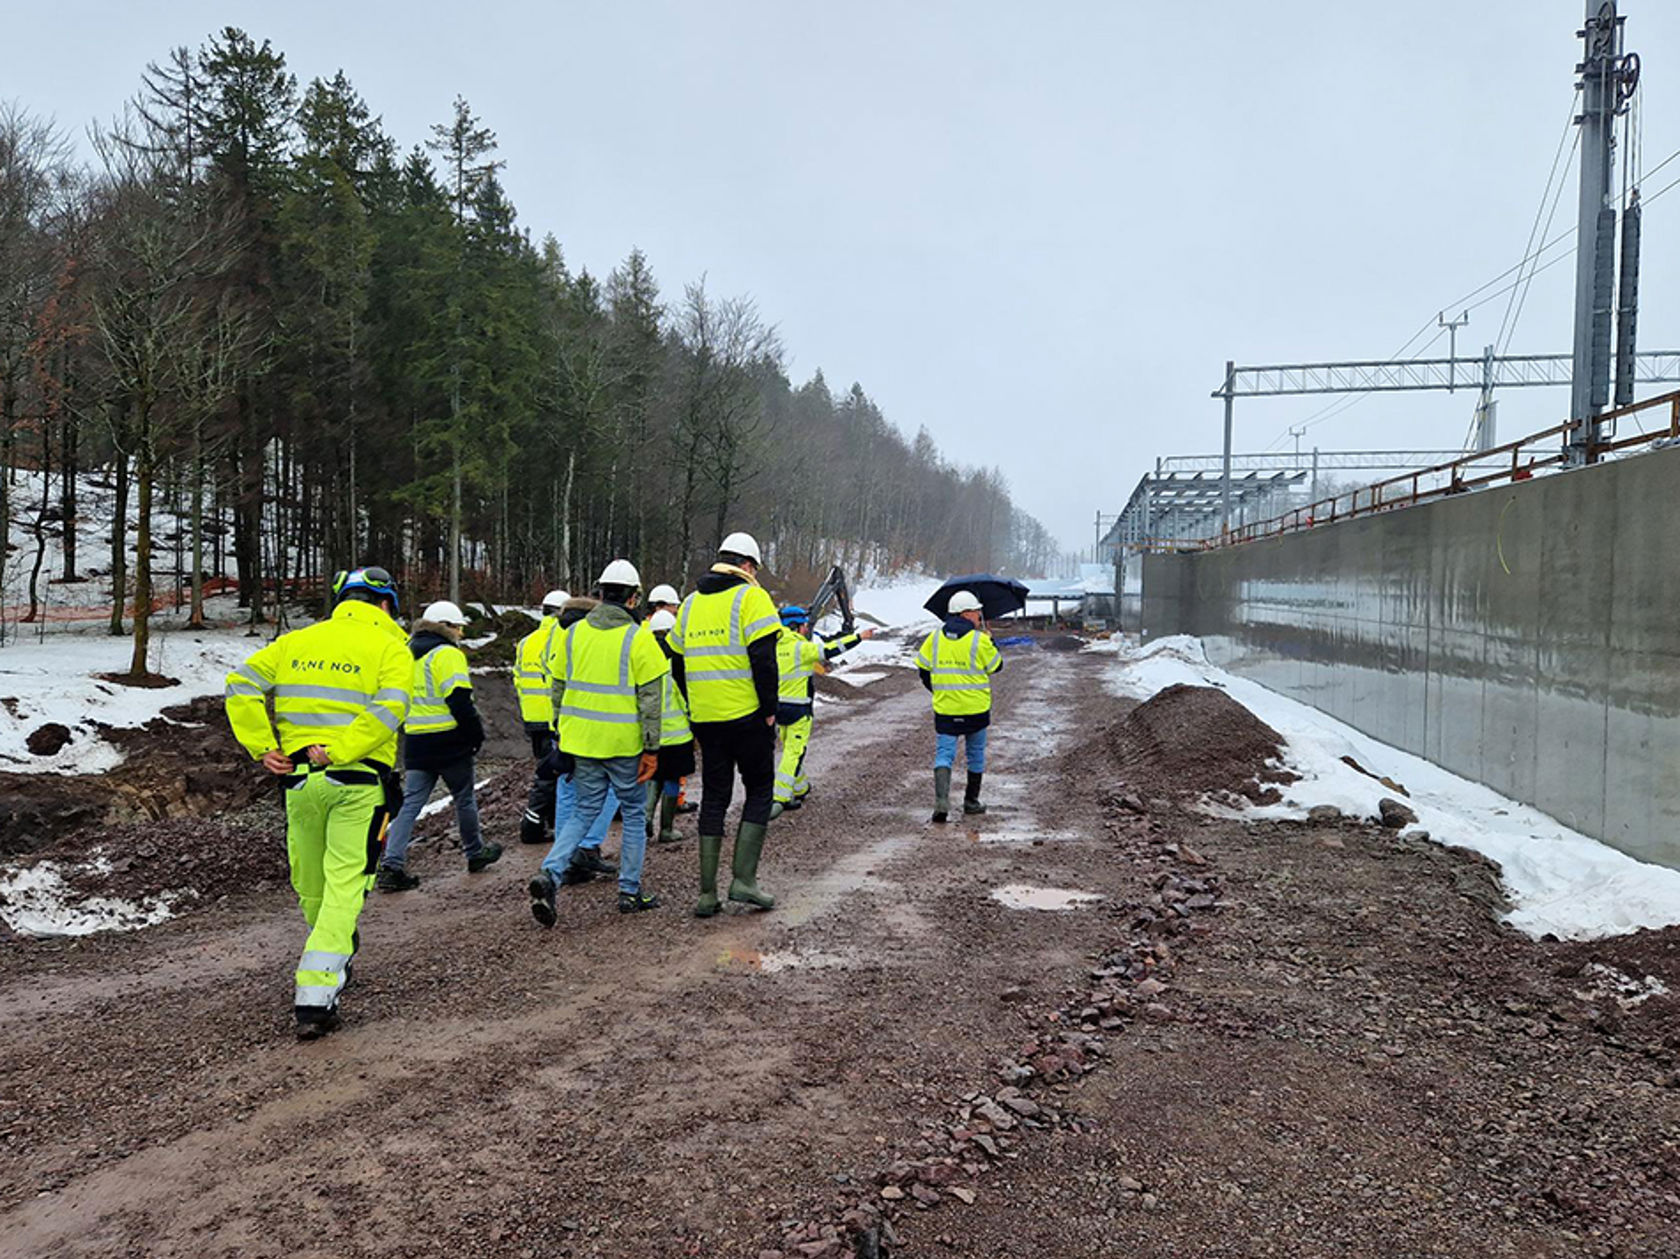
(342, 683)
(530, 678)
(712, 634)
(960, 669)
(436, 674)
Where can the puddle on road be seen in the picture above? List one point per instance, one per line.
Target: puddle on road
(777, 960)
(992, 833)
(1056, 899)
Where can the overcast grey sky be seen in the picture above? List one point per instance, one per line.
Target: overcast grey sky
(1039, 230)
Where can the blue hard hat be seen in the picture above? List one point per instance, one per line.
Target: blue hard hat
(376, 581)
(793, 614)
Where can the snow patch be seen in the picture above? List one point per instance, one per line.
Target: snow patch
(36, 901)
(1626, 990)
(1559, 881)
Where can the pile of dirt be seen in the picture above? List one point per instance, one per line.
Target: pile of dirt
(1193, 741)
(1060, 642)
(508, 627)
(183, 763)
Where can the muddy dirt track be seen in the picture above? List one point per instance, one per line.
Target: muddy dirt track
(1269, 1039)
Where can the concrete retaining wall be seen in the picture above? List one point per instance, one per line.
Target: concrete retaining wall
(1523, 636)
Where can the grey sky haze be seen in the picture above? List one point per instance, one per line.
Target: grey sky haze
(1039, 230)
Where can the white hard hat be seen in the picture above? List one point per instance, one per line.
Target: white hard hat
(742, 544)
(444, 612)
(963, 601)
(663, 594)
(555, 599)
(620, 573)
(661, 620)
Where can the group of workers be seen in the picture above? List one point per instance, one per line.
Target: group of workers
(615, 698)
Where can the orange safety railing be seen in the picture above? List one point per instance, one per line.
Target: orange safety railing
(1407, 489)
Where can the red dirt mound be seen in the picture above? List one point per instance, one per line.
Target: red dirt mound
(1191, 741)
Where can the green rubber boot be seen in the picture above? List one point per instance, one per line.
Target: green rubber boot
(668, 819)
(749, 843)
(941, 795)
(650, 797)
(711, 848)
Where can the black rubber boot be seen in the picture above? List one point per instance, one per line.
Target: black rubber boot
(971, 797)
(668, 820)
(711, 848)
(749, 846)
(314, 1022)
(541, 889)
(531, 829)
(941, 795)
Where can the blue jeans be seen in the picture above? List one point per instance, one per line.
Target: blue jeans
(592, 779)
(417, 789)
(565, 803)
(945, 750)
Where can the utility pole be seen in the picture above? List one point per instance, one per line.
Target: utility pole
(1452, 326)
(1606, 80)
(1225, 478)
(1487, 410)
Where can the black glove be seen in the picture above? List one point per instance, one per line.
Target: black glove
(555, 765)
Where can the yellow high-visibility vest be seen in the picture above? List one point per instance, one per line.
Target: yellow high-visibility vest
(797, 658)
(961, 670)
(342, 683)
(712, 634)
(673, 722)
(531, 682)
(438, 674)
(602, 669)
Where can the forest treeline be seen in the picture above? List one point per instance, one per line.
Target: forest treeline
(325, 350)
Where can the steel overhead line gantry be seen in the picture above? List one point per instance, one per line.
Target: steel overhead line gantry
(1359, 376)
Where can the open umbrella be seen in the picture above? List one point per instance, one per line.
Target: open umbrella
(998, 596)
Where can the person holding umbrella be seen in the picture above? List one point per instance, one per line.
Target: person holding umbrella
(956, 664)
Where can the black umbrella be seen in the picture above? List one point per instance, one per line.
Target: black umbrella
(998, 596)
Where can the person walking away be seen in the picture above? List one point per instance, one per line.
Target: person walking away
(676, 740)
(799, 660)
(608, 688)
(536, 712)
(340, 690)
(444, 735)
(723, 653)
(956, 662)
(664, 598)
(588, 862)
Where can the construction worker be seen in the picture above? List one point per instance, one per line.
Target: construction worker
(444, 737)
(536, 713)
(340, 690)
(588, 862)
(723, 653)
(608, 693)
(798, 661)
(956, 662)
(676, 740)
(664, 598)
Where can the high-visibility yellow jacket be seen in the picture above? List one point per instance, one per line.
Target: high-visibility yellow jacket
(530, 678)
(673, 722)
(437, 674)
(343, 683)
(799, 660)
(599, 665)
(712, 634)
(961, 671)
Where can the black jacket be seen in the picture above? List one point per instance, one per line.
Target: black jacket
(434, 751)
(761, 656)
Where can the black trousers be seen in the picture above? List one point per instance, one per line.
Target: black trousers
(539, 800)
(747, 745)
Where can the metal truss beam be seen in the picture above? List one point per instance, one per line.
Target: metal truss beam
(1512, 371)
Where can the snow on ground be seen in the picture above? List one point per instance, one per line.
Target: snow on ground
(36, 901)
(55, 679)
(1559, 881)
